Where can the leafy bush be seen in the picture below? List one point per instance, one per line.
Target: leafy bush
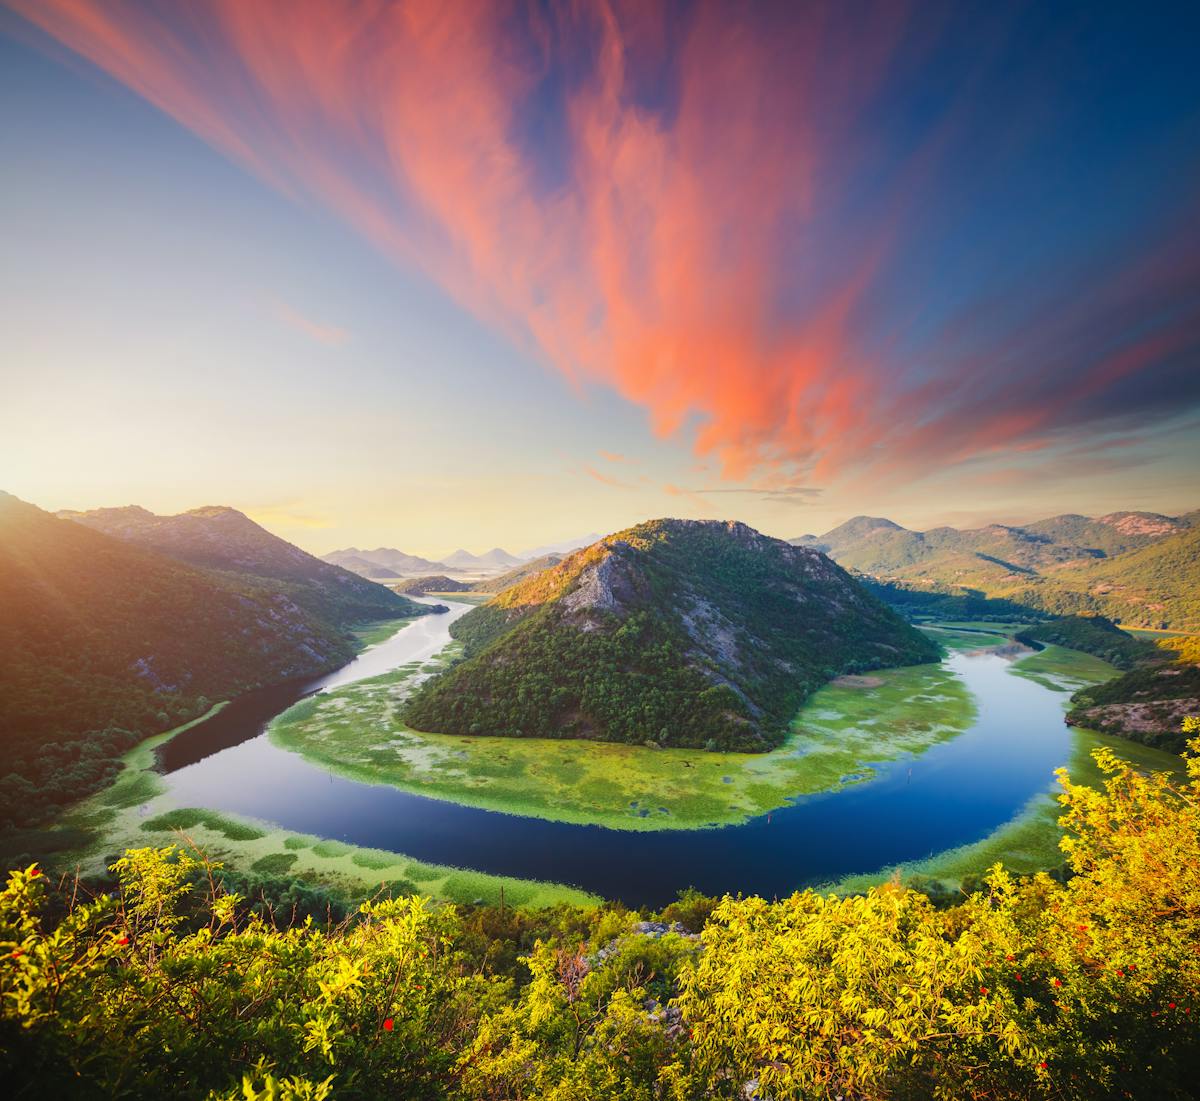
(1029, 988)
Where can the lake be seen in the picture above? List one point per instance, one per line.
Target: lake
(955, 793)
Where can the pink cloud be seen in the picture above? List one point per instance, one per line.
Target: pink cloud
(656, 263)
(332, 336)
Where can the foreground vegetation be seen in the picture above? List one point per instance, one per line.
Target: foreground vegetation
(1032, 988)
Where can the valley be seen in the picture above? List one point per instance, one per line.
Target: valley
(337, 791)
(415, 682)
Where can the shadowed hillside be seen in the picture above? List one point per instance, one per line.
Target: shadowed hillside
(105, 643)
(220, 538)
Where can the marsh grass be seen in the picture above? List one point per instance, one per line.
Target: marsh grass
(358, 732)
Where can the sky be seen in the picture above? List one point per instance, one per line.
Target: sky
(433, 275)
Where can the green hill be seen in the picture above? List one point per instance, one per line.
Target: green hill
(1093, 635)
(1138, 568)
(1155, 586)
(105, 643)
(1149, 703)
(517, 573)
(674, 633)
(220, 538)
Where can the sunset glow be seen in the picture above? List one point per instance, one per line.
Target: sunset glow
(841, 254)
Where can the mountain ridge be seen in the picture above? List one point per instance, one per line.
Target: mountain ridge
(218, 537)
(1062, 565)
(673, 632)
(107, 642)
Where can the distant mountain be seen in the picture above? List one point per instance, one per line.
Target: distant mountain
(494, 559)
(436, 583)
(364, 568)
(674, 632)
(566, 546)
(221, 538)
(1154, 586)
(1112, 534)
(518, 573)
(105, 642)
(1065, 564)
(381, 562)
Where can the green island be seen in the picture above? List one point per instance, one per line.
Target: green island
(359, 731)
(669, 634)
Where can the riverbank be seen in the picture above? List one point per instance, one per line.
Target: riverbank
(1030, 841)
(849, 732)
(139, 810)
(358, 733)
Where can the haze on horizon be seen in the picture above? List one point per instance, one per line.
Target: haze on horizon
(447, 275)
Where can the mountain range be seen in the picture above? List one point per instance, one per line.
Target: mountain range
(387, 563)
(119, 624)
(223, 539)
(672, 633)
(381, 562)
(1139, 568)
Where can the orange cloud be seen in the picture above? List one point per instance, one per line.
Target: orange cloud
(606, 479)
(330, 335)
(658, 242)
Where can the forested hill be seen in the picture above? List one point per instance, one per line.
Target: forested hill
(674, 632)
(104, 643)
(220, 538)
(1138, 568)
(1154, 586)
(517, 573)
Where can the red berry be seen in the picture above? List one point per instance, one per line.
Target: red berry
(1044, 1066)
(1008, 957)
(1171, 1006)
(17, 952)
(983, 990)
(388, 1025)
(123, 940)
(36, 872)
(1120, 973)
(1057, 983)
(1019, 976)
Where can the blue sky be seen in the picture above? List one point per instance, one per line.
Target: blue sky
(941, 268)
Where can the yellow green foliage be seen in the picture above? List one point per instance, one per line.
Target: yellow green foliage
(1186, 648)
(1030, 988)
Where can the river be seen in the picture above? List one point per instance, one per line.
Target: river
(955, 793)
